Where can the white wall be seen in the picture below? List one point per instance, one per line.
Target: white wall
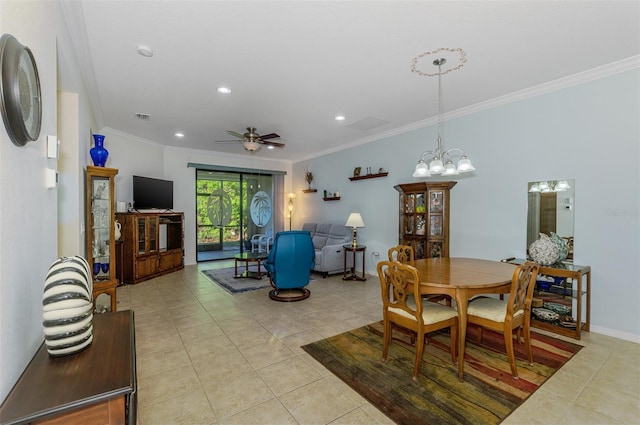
(570, 133)
(29, 211)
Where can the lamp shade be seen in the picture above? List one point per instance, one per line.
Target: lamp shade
(355, 220)
(449, 169)
(421, 170)
(464, 165)
(250, 145)
(436, 166)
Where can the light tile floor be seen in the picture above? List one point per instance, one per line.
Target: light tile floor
(205, 356)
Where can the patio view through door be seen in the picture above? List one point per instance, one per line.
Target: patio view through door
(231, 207)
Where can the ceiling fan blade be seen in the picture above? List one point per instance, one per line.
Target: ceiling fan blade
(238, 135)
(270, 136)
(276, 144)
(227, 141)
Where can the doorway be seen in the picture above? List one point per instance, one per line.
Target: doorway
(231, 207)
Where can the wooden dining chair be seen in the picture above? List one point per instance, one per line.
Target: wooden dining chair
(505, 316)
(403, 307)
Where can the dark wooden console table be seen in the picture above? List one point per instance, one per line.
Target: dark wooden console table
(95, 386)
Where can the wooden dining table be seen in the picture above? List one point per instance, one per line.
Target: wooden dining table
(462, 279)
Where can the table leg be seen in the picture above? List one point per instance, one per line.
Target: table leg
(588, 306)
(353, 270)
(364, 276)
(344, 268)
(462, 301)
(235, 274)
(259, 272)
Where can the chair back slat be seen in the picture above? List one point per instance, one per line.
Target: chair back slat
(395, 279)
(523, 282)
(401, 253)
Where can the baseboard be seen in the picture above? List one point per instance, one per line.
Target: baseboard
(616, 334)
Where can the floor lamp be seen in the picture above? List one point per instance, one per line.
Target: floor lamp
(290, 207)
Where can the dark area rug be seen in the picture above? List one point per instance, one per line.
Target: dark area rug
(224, 277)
(487, 396)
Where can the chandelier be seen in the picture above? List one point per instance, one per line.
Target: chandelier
(441, 160)
(549, 186)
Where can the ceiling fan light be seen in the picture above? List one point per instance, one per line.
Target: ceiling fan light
(251, 146)
(464, 165)
(421, 170)
(449, 169)
(436, 166)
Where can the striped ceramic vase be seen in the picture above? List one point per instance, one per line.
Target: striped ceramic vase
(67, 306)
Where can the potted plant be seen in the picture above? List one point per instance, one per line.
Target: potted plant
(308, 176)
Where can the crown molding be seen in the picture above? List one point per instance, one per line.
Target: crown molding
(74, 18)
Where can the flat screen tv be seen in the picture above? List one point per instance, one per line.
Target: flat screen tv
(150, 193)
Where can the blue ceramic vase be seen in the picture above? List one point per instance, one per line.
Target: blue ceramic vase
(98, 153)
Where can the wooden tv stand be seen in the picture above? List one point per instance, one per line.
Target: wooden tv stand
(94, 387)
(152, 245)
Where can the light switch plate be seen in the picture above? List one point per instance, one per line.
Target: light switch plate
(51, 178)
(52, 147)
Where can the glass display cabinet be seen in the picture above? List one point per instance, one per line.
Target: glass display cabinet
(424, 217)
(100, 227)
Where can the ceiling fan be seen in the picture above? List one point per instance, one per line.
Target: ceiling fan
(252, 141)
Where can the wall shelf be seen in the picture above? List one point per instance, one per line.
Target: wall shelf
(335, 198)
(309, 190)
(370, 176)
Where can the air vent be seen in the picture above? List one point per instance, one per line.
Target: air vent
(368, 123)
(143, 117)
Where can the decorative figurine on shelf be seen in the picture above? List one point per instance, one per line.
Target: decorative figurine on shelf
(543, 250)
(356, 172)
(308, 176)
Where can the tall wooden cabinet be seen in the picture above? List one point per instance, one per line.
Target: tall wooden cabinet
(424, 217)
(153, 245)
(100, 229)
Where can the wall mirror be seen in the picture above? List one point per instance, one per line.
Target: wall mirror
(551, 209)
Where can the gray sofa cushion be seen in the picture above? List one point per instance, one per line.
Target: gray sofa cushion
(319, 241)
(328, 240)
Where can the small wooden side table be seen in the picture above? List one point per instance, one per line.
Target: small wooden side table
(354, 250)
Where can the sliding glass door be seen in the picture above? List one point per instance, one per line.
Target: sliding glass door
(231, 207)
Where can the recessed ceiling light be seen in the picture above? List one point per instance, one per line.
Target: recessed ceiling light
(224, 90)
(340, 118)
(179, 134)
(270, 147)
(144, 51)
